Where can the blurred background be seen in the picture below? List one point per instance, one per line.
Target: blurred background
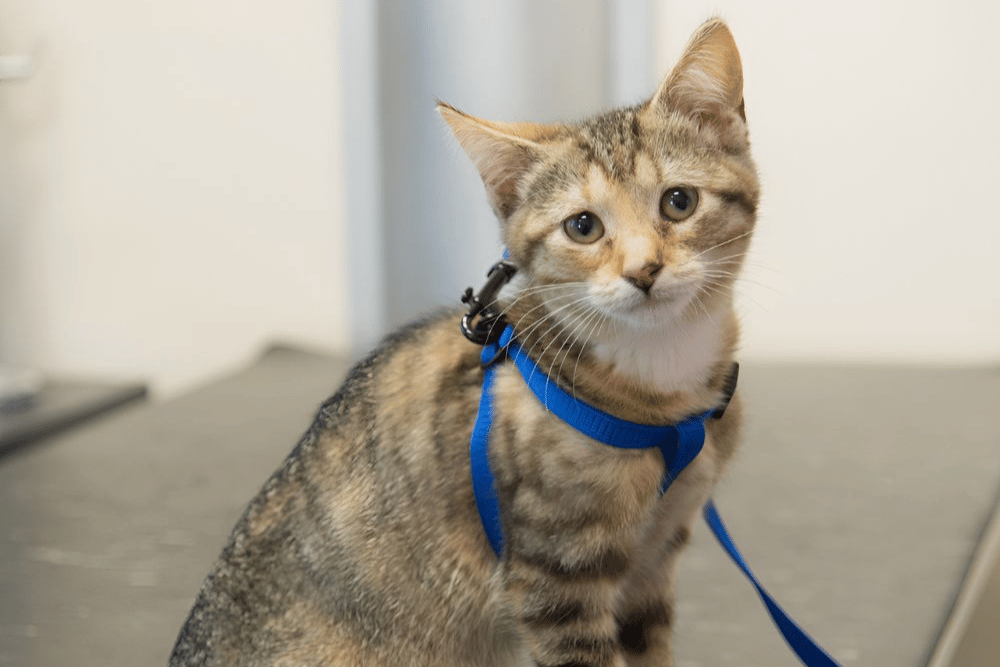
(183, 182)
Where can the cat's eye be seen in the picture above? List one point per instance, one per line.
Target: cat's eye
(678, 203)
(583, 227)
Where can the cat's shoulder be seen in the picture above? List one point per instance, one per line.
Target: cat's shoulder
(420, 341)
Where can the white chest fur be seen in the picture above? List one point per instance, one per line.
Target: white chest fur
(675, 357)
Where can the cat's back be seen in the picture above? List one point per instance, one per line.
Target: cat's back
(344, 555)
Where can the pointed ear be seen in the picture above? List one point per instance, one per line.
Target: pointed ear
(502, 152)
(707, 81)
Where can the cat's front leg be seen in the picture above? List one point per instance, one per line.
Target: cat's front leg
(574, 514)
(646, 612)
(644, 632)
(645, 623)
(568, 558)
(566, 608)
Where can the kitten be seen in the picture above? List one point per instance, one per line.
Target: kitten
(365, 547)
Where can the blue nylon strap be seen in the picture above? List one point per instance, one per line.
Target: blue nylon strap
(686, 442)
(804, 646)
(482, 477)
(680, 444)
(585, 418)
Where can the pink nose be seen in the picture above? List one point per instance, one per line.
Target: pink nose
(644, 278)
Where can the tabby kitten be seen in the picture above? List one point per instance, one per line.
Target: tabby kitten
(365, 547)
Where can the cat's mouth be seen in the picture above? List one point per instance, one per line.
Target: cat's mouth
(656, 306)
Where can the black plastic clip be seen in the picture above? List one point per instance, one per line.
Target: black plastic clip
(728, 389)
(482, 305)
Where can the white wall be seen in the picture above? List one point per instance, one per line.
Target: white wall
(503, 60)
(872, 124)
(170, 186)
(875, 129)
(172, 180)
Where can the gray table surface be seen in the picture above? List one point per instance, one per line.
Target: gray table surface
(857, 498)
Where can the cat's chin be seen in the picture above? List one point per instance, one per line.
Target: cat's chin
(665, 352)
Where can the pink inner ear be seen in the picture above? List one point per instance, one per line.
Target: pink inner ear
(708, 79)
(502, 153)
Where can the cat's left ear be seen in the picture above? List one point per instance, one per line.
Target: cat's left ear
(502, 152)
(707, 81)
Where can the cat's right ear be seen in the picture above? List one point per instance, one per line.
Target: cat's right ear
(502, 152)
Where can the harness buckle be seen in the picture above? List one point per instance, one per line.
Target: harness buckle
(728, 389)
(489, 326)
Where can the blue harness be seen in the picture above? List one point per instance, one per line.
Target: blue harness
(680, 443)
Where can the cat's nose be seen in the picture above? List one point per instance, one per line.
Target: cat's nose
(644, 278)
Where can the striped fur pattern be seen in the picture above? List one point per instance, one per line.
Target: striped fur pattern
(365, 547)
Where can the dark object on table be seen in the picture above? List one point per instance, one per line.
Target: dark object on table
(18, 388)
(31, 408)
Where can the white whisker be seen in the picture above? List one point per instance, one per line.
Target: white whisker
(717, 245)
(578, 322)
(576, 367)
(713, 288)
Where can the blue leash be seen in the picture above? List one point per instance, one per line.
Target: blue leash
(805, 647)
(680, 443)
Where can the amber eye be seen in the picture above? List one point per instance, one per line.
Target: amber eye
(583, 227)
(678, 203)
